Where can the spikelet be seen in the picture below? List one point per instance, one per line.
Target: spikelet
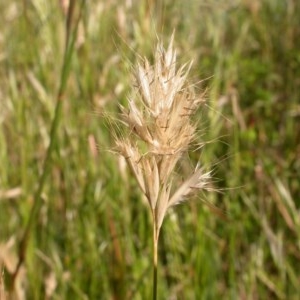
(161, 130)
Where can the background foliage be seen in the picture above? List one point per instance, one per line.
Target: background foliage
(91, 235)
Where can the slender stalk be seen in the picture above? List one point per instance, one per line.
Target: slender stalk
(155, 248)
(2, 288)
(65, 71)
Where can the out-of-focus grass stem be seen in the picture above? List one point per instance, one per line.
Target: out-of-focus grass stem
(70, 38)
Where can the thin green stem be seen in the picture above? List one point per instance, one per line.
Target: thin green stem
(65, 71)
(155, 248)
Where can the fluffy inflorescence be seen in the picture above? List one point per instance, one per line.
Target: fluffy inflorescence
(161, 130)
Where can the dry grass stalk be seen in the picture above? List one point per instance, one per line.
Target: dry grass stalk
(160, 132)
(2, 288)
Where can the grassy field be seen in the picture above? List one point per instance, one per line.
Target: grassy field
(72, 214)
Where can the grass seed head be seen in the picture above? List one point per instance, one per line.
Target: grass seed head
(160, 130)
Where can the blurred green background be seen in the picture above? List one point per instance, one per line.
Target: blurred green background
(89, 234)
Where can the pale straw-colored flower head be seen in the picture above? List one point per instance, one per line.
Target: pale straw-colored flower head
(161, 130)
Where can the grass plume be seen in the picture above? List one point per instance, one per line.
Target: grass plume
(160, 132)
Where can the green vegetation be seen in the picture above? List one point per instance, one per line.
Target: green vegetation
(89, 235)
